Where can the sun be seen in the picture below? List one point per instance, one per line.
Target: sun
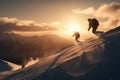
(73, 27)
(69, 28)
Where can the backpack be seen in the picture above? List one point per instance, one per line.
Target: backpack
(95, 22)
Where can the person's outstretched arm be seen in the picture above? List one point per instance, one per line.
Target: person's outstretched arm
(89, 27)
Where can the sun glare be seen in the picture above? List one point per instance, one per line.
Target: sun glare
(72, 27)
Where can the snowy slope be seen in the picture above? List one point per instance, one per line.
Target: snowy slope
(92, 59)
(5, 66)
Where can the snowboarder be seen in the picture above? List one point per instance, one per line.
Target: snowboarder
(94, 24)
(77, 36)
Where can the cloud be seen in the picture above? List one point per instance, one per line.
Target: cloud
(13, 24)
(56, 23)
(109, 12)
(87, 11)
(25, 23)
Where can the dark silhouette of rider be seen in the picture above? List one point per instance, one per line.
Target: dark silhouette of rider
(77, 36)
(94, 24)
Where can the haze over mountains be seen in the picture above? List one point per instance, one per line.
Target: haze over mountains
(93, 59)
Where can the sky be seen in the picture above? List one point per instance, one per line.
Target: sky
(42, 11)
(61, 12)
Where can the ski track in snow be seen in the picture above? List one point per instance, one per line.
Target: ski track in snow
(52, 61)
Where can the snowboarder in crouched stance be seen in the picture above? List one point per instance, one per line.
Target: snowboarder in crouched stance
(77, 36)
(94, 24)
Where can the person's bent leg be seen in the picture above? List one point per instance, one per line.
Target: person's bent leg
(94, 30)
(77, 39)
